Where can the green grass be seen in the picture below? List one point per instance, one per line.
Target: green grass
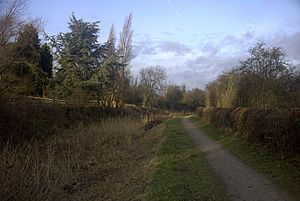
(279, 171)
(181, 172)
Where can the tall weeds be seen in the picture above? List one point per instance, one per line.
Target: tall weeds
(84, 163)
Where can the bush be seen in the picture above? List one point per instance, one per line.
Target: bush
(276, 129)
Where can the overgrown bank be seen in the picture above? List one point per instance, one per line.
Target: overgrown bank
(26, 120)
(108, 160)
(181, 172)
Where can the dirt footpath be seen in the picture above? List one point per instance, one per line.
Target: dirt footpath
(242, 183)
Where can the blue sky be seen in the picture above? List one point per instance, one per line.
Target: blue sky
(194, 40)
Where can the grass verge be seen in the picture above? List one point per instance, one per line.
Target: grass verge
(181, 172)
(279, 171)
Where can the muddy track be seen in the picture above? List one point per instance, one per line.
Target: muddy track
(241, 182)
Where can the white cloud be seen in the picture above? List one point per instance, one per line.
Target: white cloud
(158, 47)
(195, 65)
(291, 44)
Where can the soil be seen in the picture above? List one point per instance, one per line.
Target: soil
(241, 182)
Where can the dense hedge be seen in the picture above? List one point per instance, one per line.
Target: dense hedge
(27, 120)
(277, 129)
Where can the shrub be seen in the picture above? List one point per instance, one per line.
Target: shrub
(276, 129)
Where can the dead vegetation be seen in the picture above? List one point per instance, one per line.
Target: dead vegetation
(54, 152)
(108, 160)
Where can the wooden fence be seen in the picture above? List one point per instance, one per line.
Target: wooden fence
(91, 103)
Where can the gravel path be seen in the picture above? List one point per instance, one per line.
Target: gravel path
(242, 183)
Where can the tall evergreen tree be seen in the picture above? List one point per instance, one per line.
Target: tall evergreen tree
(77, 49)
(78, 54)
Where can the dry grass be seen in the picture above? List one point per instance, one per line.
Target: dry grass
(100, 161)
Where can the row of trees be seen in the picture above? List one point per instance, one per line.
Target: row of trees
(76, 67)
(265, 79)
(149, 88)
(71, 65)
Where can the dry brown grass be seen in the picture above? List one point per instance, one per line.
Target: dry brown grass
(108, 160)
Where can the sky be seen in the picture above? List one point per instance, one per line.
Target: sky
(194, 40)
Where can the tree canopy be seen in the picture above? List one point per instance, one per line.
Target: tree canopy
(265, 79)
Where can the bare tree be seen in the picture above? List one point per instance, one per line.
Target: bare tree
(266, 62)
(266, 72)
(11, 19)
(152, 82)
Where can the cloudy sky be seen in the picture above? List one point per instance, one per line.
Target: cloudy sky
(194, 40)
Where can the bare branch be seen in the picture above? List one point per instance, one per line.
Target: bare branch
(112, 35)
(125, 46)
(11, 20)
